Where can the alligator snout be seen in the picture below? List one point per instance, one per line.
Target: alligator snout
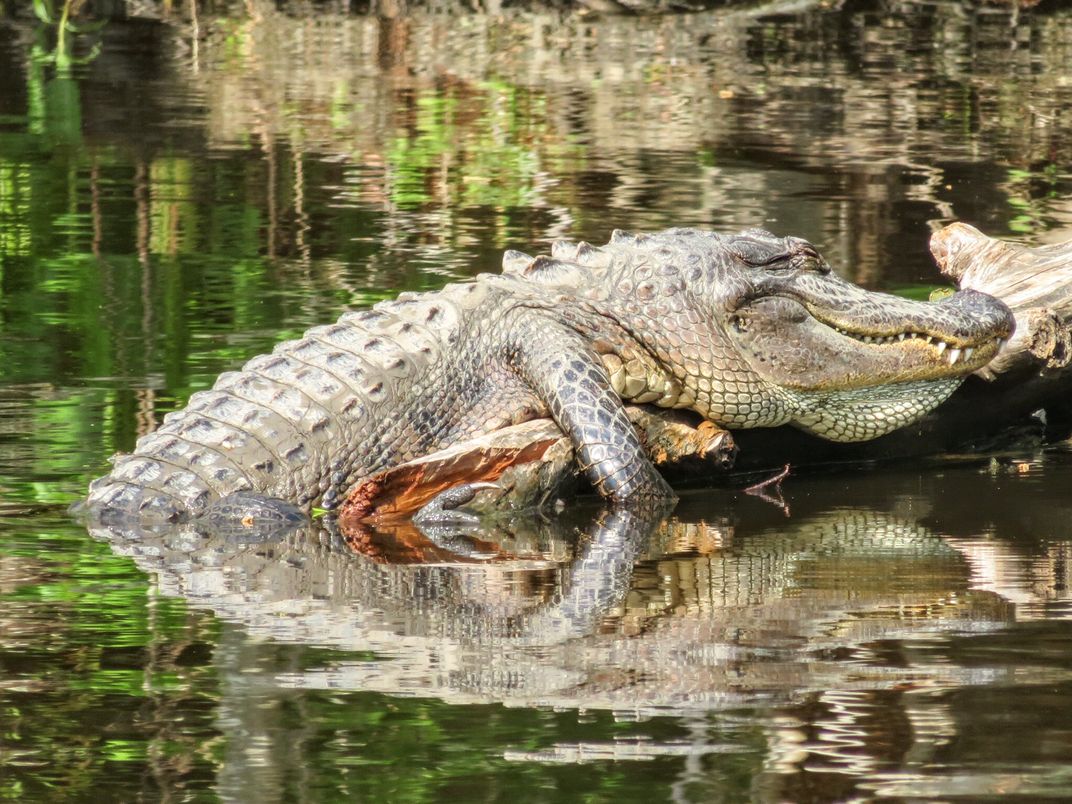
(977, 316)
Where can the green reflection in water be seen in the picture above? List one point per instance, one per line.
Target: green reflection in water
(489, 146)
(96, 669)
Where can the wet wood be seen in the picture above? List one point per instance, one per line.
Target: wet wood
(530, 462)
(403, 489)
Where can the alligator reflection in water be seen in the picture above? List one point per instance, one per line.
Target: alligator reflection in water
(840, 641)
(628, 614)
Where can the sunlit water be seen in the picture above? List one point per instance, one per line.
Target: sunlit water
(193, 195)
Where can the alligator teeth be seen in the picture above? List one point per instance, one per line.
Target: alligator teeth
(968, 353)
(954, 356)
(900, 336)
(1001, 342)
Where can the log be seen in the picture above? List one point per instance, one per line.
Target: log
(1034, 282)
(1024, 393)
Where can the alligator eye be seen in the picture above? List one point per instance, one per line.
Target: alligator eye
(797, 264)
(806, 258)
(810, 262)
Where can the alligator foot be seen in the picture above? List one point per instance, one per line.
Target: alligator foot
(447, 524)
(446, 508)
(249, 517)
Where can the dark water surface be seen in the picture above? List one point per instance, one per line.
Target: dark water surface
(197, 192)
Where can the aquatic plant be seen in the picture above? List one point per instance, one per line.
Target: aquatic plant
(66, 30)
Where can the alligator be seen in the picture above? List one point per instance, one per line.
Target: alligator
(748, 330)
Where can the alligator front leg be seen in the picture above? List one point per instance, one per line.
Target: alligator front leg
(567, 374)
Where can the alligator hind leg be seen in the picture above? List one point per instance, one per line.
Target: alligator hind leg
(569, 376)
(250, 517)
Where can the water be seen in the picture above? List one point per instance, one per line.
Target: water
(194, 194)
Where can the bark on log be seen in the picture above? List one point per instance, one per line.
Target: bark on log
(531, 461)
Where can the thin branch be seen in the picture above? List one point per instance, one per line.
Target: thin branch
(775, 480)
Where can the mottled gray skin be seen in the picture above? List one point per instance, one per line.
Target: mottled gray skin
(749, 330)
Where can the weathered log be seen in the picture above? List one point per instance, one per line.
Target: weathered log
(530, 462)
(1034, 282)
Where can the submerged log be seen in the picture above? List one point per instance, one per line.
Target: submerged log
(1027, 388)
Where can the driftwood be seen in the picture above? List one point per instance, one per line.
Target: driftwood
(1025, 392)
(1034, 282)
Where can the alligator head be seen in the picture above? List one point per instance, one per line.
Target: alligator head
(757, 330)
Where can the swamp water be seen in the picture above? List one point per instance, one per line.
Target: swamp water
(198, 191)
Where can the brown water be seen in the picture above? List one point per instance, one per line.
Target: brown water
(195, 193)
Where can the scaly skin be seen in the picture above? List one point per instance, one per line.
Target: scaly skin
(749, 330)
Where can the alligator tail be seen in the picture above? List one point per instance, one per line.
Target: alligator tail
(284, 423)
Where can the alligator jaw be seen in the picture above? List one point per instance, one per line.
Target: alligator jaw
(856, 365)
(970, 354)
(864, 413)
(796, 342)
